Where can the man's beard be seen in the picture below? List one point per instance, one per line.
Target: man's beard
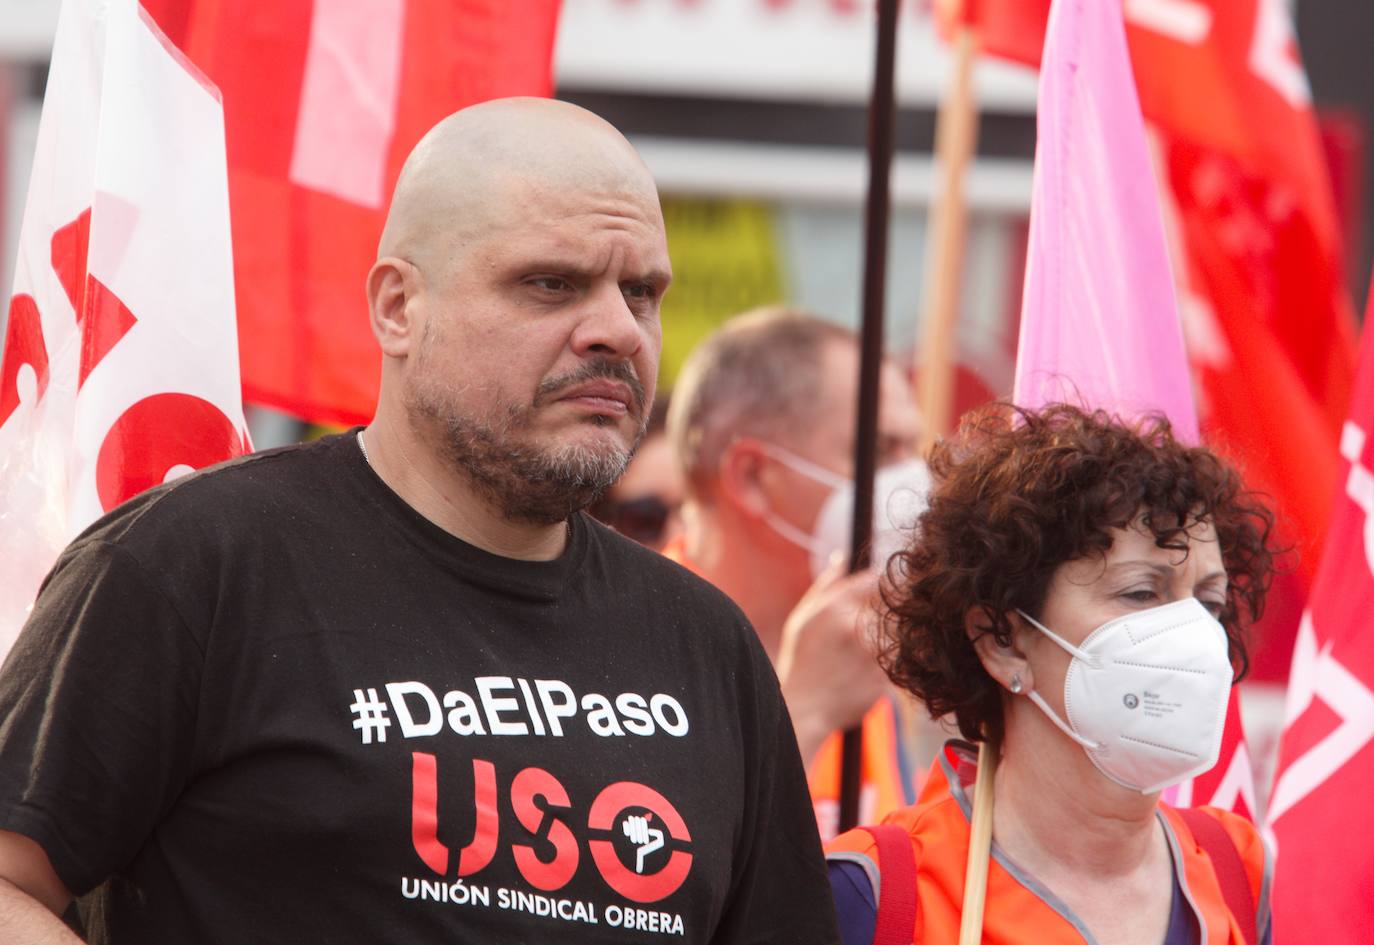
(524, 482)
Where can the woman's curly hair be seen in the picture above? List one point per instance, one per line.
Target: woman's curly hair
(1018, 493)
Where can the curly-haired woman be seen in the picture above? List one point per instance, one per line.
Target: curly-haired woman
(1075, 598)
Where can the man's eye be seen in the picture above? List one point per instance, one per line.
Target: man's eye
(1140, 597)
(550, 283)
(641, 290)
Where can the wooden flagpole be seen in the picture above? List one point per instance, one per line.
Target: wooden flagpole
(956, 142)
(881, 118)
(979, 848)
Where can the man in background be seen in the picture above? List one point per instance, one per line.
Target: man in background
(762, 423)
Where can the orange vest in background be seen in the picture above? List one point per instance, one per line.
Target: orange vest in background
(887, 780)
(1018, 908)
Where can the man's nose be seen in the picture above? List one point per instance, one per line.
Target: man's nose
(607, 327)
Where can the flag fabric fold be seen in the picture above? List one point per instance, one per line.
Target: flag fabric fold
(1100, 322)
(120, 368)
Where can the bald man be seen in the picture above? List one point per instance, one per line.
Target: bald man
(394, 686)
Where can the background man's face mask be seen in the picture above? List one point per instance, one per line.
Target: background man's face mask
(899, 498)
(1145, 694)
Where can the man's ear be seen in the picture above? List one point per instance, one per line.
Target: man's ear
(1006, 664)
(392, 285)
(739, 477)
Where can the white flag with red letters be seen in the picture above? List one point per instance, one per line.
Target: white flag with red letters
(120, 368)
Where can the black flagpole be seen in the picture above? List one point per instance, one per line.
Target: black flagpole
(881, 115)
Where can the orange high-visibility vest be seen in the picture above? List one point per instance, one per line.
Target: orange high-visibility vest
(1020, 910)
(887, 781)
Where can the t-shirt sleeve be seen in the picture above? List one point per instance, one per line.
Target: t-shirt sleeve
(856, 911)
(98, 700)
(781, 893)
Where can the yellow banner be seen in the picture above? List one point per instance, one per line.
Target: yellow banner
(725, 260)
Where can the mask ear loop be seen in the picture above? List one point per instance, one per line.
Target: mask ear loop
(805, 467)
(803, 540)
(1064, 645)
(813, 471)
(1039, 700)
(1044, 707)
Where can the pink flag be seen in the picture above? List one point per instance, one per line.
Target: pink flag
(120, 368)
(1099, 319)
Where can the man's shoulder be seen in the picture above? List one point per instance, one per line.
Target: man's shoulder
(238, 496)
(660, 575)
(663, 584)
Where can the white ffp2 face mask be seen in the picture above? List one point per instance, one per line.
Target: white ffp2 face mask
(1145, 694)
(900, 494)
(816, 473)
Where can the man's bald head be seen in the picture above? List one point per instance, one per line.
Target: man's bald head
(469, 172)
(516, 303)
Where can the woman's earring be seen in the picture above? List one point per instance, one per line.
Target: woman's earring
(1016, 685)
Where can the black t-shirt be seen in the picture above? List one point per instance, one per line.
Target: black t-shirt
(273, 703)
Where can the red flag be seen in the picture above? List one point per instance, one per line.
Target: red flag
(1269, 324)
(1007, 29)
(323, 101)
(120, 367)
(1269, 319)
(1321, 813)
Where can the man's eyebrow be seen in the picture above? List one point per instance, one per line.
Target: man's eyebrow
(659, 277)
(563, 267)
(550, 264)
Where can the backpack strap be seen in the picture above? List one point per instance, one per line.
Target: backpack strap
(896, 886)
(1212, 837)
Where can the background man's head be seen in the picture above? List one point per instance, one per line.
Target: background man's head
(516, 299)
(769, 388)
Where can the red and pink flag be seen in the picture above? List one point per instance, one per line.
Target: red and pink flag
(120, 366)
(1099, 320)
(323, 100)
(1268, 317)
(1268, 320)
(1321, 813)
